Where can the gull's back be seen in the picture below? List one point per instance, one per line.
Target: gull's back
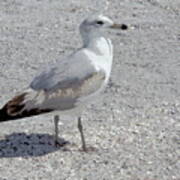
(72, 80)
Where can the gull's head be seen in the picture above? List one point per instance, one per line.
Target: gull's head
(98, 23)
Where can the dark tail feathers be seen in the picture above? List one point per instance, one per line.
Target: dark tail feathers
(14, 109)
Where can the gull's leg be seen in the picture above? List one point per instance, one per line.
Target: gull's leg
(56, 121)
(80, 127)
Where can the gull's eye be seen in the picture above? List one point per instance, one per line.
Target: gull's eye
(100, 22)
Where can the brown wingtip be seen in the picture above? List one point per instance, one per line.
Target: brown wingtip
(14, 109)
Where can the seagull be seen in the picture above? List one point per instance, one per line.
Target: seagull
(73, 82)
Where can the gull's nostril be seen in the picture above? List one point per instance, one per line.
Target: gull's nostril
(124, 27)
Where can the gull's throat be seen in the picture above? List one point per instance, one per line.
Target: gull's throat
(97, 42)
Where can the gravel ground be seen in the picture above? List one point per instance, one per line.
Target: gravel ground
(135, 129)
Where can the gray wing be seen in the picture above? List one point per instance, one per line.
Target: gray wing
(72, 73)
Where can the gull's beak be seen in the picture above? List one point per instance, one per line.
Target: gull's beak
(119, 26)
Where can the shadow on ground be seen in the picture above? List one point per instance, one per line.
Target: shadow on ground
(26, 145)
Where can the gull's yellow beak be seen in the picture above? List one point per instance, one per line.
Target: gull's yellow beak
(119, 26)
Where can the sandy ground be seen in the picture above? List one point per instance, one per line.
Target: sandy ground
(135, 128)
